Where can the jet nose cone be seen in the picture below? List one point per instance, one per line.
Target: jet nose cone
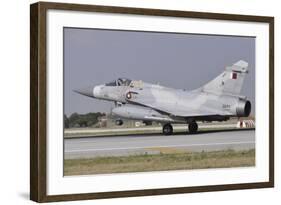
(87, 91)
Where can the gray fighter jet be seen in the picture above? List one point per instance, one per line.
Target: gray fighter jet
(218, 100)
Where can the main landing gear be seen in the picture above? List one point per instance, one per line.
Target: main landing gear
(192, 127)
(168, 128)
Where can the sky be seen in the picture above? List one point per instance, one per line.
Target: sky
(184, 61)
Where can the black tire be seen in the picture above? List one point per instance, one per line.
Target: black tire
(167, 129)
(119, 122)
(193, 127)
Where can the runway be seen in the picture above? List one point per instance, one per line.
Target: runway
(90, 147)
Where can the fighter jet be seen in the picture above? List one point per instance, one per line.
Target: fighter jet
(218, 100)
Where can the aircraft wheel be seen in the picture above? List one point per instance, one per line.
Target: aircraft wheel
(167, 129)
(193, 127)
(119, 122)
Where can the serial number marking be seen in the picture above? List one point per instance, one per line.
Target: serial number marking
(225, 106)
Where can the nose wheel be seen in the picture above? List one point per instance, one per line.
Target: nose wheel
(193, 127)
(167, 129)
(119, 122)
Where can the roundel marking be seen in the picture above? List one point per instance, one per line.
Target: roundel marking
(128, 95)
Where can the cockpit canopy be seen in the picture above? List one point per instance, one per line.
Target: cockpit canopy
(119, 82)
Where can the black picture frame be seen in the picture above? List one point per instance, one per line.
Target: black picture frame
(38, 100)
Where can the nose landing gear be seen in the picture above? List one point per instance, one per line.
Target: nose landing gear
(119, 122)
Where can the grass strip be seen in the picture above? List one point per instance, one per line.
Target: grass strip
(160, 162)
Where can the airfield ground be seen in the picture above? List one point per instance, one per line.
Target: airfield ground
(117, 131)
(147, 150)
(160, 162)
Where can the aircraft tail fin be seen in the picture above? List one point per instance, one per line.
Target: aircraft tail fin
(230, 81)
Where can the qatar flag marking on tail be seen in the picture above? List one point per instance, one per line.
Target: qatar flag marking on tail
(233, 76)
